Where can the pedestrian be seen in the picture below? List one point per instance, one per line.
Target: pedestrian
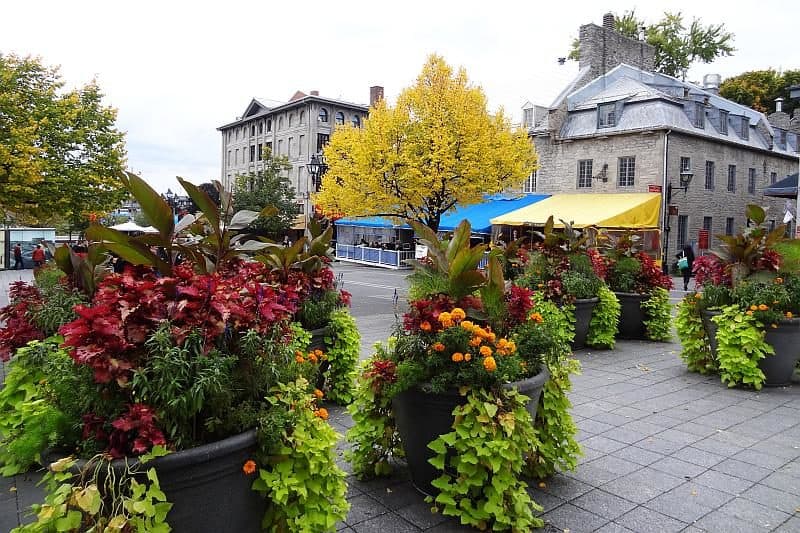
(286, 242)
(18, 263)
(38, 256)
(685, 260)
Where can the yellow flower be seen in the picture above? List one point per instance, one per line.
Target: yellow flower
(445, 317)
(457, 357)
(486, 351)
(698, 295)
(789, 314)
(249, 467)
(511, 347)
(749, 313)
(467, 325)
(754, 307)
(779, 280)
(467, 356)
(491, 336)
(490, 364)
(763, 307)
(502, 343)
(438, 347)
(458, 314)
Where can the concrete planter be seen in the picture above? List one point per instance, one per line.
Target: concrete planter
(785, 339)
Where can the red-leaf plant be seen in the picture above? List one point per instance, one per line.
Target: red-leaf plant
(18, 329)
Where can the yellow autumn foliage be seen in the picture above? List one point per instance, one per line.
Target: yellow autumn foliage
(438, 147)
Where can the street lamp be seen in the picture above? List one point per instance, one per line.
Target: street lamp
(317, 168)
(685, 178)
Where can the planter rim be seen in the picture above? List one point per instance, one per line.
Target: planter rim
(593, 299)
(631, 294)
(533, 381)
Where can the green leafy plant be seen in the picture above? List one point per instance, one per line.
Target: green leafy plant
(695, 350)
(344, 348)
(306, 488)
(315, 312)
(481, 460)
(740, 345)
(605, 320)
(658, 315)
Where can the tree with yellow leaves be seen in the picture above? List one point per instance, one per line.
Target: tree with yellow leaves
(438, 148)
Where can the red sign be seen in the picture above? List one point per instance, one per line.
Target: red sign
(654, 188)
(702, 239)
(673, 210)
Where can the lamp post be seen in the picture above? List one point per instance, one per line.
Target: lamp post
(317, 167)
(685, 178)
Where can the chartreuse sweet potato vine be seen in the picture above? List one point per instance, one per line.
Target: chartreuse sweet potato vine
(344, 343)
(605, 320)
(696, 351)
(658, 321)
(481, 461)
(740, 345)
(305, 487)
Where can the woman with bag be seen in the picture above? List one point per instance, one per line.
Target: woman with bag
(685, 260)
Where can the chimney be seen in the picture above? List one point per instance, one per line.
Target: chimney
(601, 48)
(314, 93)
(779, 104)
(711, 83)
(375, 95)
(608, 21)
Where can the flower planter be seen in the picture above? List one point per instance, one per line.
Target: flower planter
(318, 338)
(422, 417)
(631, 318)
(785, 339)
(583, 316)
(711, 329)
(207, 488)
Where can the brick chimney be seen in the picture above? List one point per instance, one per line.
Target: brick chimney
(314, 93)
(603, 48)
(375, 95)
(608, 21)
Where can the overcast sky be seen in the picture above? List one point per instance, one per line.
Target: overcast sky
(177, 70)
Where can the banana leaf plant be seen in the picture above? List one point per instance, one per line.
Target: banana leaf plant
(85, 270)
(569, 241)
(308, 256)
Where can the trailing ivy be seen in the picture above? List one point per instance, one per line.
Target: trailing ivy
(305, 487)
(696, 351)
(374, 437)
(481, 460)
(740, 345)
(344, 343)
(658, 317)
(605, 320)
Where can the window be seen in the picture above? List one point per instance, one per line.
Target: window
(289, 147)
(260, 151)
(606, 115)
(302, 117)
(237, 133)
(269, 125)
(527, 117)
(781, 138)
(356, 121)
(229, 158)
(751, 180)
(699, 115)
(280, 123)
(745, 128)
(584, 173)
(773, 177)
(529, 185)
(261, 127)
(731, 178)
(323, 114)
(322, 140)
(339, 118)
(772, 225)
(280, 147)
(708, 224)
(626, 171)
(252, 153)
(729, 226)
(683, 229)
(301, 145)
(686, 164)
(253, 130)
(236, 161)
(723, 122)
(709, 175)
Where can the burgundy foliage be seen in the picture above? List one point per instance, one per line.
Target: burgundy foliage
(519, 304)
(709, 269)
(18, 329)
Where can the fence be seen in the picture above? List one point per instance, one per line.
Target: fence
(374, 256)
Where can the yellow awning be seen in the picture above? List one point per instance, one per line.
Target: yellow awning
(620, 210)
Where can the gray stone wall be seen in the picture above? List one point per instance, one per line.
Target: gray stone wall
(603, 49)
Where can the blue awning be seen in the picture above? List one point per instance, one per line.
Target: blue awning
(479, 215)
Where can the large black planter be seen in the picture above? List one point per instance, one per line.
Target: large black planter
(207, 488)
(711, 329)
(785, 339)
(318, 338)
(583, 316)
(422, 417)
(631, 317)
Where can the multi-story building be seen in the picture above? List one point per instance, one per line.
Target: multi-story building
(296, 129)
(620, 127)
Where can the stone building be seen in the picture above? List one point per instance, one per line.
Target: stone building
(620, 127)
(296, 129)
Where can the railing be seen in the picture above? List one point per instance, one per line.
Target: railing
(374, 256)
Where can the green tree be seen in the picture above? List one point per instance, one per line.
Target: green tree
(759, 89)
(676, 46)
(437, 148)
(269, 192)
(60, 151)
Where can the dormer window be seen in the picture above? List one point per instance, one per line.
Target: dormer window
(745, 128)
(527, 117)
(606, 115)
(699, 115)
(723, 122)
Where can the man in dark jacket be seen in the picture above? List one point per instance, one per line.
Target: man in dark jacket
(688, 253)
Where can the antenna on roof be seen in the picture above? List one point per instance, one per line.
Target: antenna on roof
(562, 60)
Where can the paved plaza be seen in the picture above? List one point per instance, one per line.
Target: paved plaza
(664, 450)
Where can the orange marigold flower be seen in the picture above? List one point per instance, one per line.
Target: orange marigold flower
(467, 356)
(502, 343)
(318, 352)
(321, 413)
(763, 307)
(754, 307)
(425, 326)
(490, 364)
(491, 336)
(298, 353)
(749, 313)
(511, 347)
(697, 295)
(249, 467)
(458, 314)
(445, 317)
(536, 317)
(778, 280)
(319, 394)
(457, 357)
(467, 325)
(501, 351)
(312, 357)
(439, 347)
(789, 314)
(540, 285)
(475, 341)
(299, 358)
(486, 351)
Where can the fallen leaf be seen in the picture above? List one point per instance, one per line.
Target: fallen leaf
(542, 485)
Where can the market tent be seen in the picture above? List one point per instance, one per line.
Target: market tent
(614, 210)
(480, 215)
(132, 227)
(786, 188)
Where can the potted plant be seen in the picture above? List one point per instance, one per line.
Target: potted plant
(641, 288)
(177, 389)
(461, 379)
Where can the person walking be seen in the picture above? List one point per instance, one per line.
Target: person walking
(685, 260)
(38, 256)
(18, 263)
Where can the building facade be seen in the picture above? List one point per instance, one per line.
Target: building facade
(620, 127)
(296, 129)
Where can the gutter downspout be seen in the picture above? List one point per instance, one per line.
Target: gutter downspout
(665, 209)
